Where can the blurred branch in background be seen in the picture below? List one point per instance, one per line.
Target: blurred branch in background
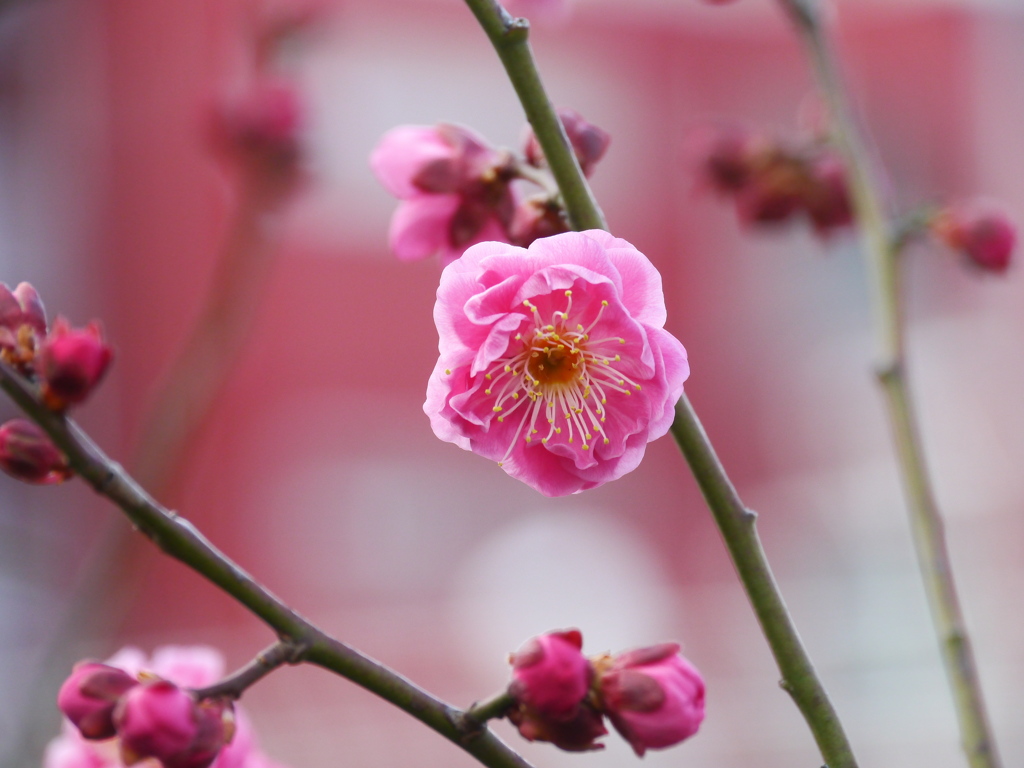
(256, 133)
(882, 244)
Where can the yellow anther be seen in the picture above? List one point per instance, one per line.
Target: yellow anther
(487, 376)
(604, 303)
(543, 441)
(515, 395)
(618, 358)
(586, 447)
(508, 369)
(497, 408)
(447, 371)
(487, 391)
(622, 341)
(606, 441)
(568, 293)
(529, 439)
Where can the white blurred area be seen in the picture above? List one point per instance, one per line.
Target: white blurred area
(320, 474)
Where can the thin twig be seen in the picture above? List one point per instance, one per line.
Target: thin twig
(799, 677)
(234, 685)
(882, 245)
(510, 38)
(177, 537)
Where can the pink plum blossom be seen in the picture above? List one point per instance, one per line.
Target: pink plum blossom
(453, 186)
(554, 360)
(653, 696)
(187, 667)
(22, 323)
(89, 695)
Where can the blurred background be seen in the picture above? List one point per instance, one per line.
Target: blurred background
(318, 471)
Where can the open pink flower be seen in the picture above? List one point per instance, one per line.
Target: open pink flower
(554, 361)
(454, 189)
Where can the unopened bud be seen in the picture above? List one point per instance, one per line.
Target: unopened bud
(577, 733)
(588, 142)
(266, 121)
(88, 697)
(981, 231)
(71, 362)
(550, 674)
(159, 720)
(28, 454)
(22, 323)
(535, 218)
(653, 696)
(827, 198)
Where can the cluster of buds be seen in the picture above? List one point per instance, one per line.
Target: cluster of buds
(457, 190)
(979, 230)
(134, 710)
(68, 363)
(772, 182)
(151, 717)
(653, 696)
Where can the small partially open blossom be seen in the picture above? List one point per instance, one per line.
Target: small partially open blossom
(88, 697)
(22, 323)
(160, 720)
(980, 230)
(653, 696)
(71, 362)
(28, 454)
(554, 361)
(454, 189)
(589, 142)
(826, 196)
(550, 674)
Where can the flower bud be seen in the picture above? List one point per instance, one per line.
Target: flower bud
(265, 123)
(28, 454)
(22, 323)
(158, 719)
(827, 198)
(88, 697)
(71, 363)
(577, 733)
(535, 218)
(550, 675)
(588, 142)
(981, 231)
(653, 696)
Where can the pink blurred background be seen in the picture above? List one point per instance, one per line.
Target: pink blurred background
(319, 472)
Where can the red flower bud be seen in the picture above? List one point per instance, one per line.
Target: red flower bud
(981, 231)
(827, 197)
(550, 675)
(535, 218)
(653, 696)
(264, 124)
(89, 695)
(587, 140)
(160, 720)
(28, 454)
(71, 363)
(577, 733)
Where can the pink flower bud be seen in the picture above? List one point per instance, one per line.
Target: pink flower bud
(265, 122)
(653, 696)
(535, 218)
(550, 675)
(827, 197)
(980, 230)
(89, 695)
(22, 323)
(588, 142)
(577, 733)
(160, 720)
(71, 363)
(773, 193)
(28, 454)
